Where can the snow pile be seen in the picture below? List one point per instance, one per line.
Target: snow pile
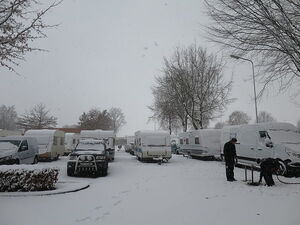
(27, 179)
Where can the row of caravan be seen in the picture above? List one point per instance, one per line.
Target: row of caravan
(255, 142)
(50, 144)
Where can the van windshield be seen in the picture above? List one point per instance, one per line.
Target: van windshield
(14, 142)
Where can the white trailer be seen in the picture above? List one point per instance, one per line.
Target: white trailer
(51, 143)
(204, 143)
(107, 135)
(266, 140)
(71, 141)
(152, 145)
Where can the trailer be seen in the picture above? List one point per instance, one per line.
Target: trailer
(71, 141)
(51, 143)
(266, 140)
(107, 135)
(152, 145)
(204, 143)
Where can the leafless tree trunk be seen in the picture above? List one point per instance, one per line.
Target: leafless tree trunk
(21, 22)
(266, 30)
(193, 87)
(37, 118)
(118, 118)
(8, 117)
(265, 117)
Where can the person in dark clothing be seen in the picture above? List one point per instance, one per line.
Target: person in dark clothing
(230, 158)
(268, 166)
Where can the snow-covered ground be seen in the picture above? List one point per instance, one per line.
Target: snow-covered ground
(181, 192)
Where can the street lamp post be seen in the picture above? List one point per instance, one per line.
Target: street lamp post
(238, 57)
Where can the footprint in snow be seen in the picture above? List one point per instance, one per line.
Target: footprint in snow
(98, 207)
(83, 219)
(117, 203)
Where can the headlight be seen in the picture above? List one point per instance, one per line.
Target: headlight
(90, 158)
(99, 157)
(72, 157)
(6, 158)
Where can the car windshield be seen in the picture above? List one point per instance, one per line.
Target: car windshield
(90, 146)
(14, 142)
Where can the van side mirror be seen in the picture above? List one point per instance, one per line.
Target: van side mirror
(23, 148)
(269, 144)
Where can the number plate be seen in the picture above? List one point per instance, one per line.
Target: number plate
(86, 164)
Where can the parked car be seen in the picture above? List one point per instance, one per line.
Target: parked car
(152, 145)
(51, 143)
(18, 150)
(267, 140)
(90, 157)
(107, 135)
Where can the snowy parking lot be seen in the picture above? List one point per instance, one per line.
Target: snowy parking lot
(181, 192)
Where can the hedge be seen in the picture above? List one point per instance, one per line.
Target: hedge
(28, 179)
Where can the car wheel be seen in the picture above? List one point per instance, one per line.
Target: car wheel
(70, 172)
(104, 172)
(17, 161)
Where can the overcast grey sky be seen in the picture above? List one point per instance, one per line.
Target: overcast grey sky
(106, 53)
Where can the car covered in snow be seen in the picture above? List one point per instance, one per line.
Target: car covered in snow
(18, 150)
(90, 158)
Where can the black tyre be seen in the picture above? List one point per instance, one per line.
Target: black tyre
(104, 172)
(70, 172)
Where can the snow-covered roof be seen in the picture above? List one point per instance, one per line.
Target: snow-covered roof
(97, 133)
(151, 132)
(43, 132)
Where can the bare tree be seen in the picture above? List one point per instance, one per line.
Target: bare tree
(219, 125)
(37, 118)
(267, 30)
(164, 110)
(264, 117)
(21, 22)
(238, 117)
(118, 119)
(8, 117)
(196, 79)
(95, 119)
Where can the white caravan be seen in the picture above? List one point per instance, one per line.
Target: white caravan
(152, 145)
(266, 140)
(107, 135)
(51, 143)
(71, 141)
(204, 143)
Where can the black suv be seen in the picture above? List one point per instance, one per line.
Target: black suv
(90, 157)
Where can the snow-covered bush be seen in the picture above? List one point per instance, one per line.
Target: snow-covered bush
(27, 179)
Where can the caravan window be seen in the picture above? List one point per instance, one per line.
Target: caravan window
(55, 141)
(264, 134)
(187, 141)
(197, 141)
(181, 141)
(74, 141)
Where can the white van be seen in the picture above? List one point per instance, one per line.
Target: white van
(107, 135)
(18, 150)
(71, 141)
(266, 140)
(204, 143)
(152, 145)
(51, 143)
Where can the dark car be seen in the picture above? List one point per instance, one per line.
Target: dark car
(89, 158)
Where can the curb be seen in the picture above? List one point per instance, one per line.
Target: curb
(61, 189)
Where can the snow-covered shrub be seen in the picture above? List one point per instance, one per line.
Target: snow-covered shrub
(27, 179)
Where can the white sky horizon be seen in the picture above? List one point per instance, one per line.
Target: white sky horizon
(107, 53)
